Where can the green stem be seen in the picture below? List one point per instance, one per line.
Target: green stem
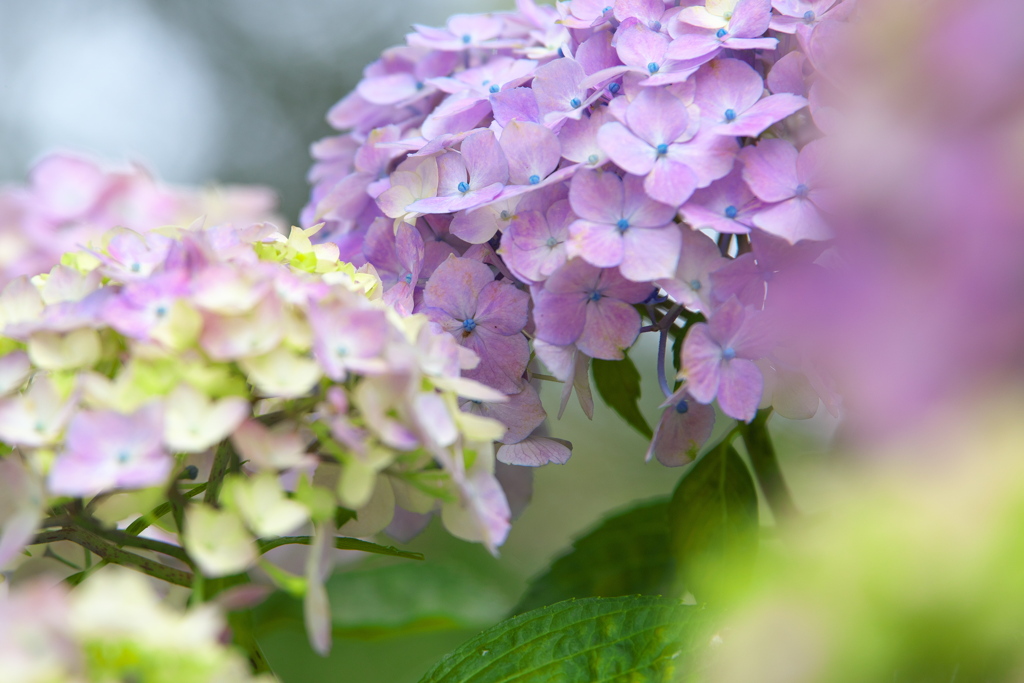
(51, 554)
(113, 555)
(122, 538)
(143, 523)
(81, 576)
(766, 466)
(342, 543)
(221, 464)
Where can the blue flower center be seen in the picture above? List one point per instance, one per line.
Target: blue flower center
(595, 296)
(552, 242)
(731, 212)
(809, 16)
(463, 187)
(534, 179)
(408, 278)
(802, 190)
(653, 68)
(495, 88)
(662, 149)
(695, 285)
(622, 225)
(655, 25)
(721, 33)
(466, 38)
(469, 324)
(606, 9)
(136, 267)
(593, 159)
(123, 457)
(682, 407)
(575, 103)
(728, 353)
(730, 115)
(614, 88)
(419, 85)
(504, 215)
(341, 351)
(161, 311)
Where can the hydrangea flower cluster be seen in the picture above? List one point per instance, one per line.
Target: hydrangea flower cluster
(264, 367)
(592, 161)
(71, 200)
(114, 628)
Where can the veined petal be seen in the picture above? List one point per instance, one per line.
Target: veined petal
(740, 389)
(701, 360)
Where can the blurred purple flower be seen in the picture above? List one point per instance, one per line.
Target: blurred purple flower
(106, 450)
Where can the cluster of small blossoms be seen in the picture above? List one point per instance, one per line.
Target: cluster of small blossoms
(556, 173)
(72, 200)
(257, 363)
(113, 628)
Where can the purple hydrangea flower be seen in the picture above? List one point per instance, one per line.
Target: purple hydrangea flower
(534, 244)
(467, 178)
(729, 96)
(684, 427)
(749, 276)
(532, 150)
(515, 104)
(691, 283)
(718, 360)
(590, 307)
(402, 75)
(535, 451)
(727, 205)
(106, 450)
(463, 32)
(644, 51)
(790, 182)
(348, 338)
(483, 314)
(397, 254)
(700, 34)
(479, 225)
(585, 13)
(489, 78)
(660, 141)
(521, 413)
(620, 226)
(560, 92)
(794, 14)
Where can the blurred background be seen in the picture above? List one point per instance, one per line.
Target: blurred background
(226, 90)
(235, 91)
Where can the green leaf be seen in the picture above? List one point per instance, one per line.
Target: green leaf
(397, 600)
(404, 598)
(677, 351)
(642, 639)
(625, 555)
(713, 523)
(618, 383)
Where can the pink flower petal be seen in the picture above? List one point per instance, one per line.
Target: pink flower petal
(739, 392)
(612, 325)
